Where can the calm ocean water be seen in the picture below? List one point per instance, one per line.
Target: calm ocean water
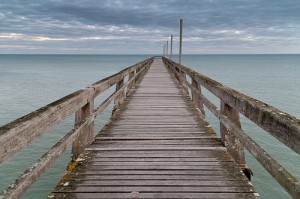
(28, 82)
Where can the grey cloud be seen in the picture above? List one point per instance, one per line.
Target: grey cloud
(232, 22)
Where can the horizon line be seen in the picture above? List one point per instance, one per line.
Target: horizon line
(159, 54)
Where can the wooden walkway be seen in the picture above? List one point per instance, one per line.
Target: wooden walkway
(155, 146)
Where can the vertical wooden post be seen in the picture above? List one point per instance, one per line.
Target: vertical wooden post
(196, 99)
(86, 136)
(177, 70)
(138, 69)
(233, 145)
(183, 75)
(119, 85)
(171, 47)
(167, 49)
(180, 44)
(180, 57)
(131, 75)
(120, 98)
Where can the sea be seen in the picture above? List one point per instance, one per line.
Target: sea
(28, 82)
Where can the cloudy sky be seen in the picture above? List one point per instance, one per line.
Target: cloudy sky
(143, 26)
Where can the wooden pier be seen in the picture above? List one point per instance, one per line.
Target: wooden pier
(156, 146)
(157, 143)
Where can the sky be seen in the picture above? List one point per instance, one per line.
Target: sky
(144, 26)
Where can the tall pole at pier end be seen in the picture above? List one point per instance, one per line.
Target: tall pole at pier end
(167, 48)
(180, 45)
(171, 47)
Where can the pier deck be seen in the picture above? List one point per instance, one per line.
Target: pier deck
(156, 145)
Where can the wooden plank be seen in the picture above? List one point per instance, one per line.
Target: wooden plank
(189, 182)
(207, 146)
(171, 125)
(154, 159)
(121, 144)
(156, 123)
(166, 112)
(153, 177)
(160, 154)
(163, 163)
(158, 142)
(160, 167)
(155, 136)
(166, 148)
(156, 129)
(233, 174)
(135, 194)
(149, 137)
(195, 131)
(126, 116)
(165, 153)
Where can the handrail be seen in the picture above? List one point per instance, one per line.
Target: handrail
(16, 135)
(284, 127)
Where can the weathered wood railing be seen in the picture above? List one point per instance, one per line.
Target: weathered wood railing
(20, 133)
(282, 126)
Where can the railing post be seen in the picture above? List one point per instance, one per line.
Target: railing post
(143, 67)
(86, 136)
(131, 75)
(119, 85)
(180, 43)
(177, 70)
(196, 99)
(167, 48)
(137, 71)
(138, 68)
(171, 47)
(119, 99)
(183, 74)
(233, 145)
